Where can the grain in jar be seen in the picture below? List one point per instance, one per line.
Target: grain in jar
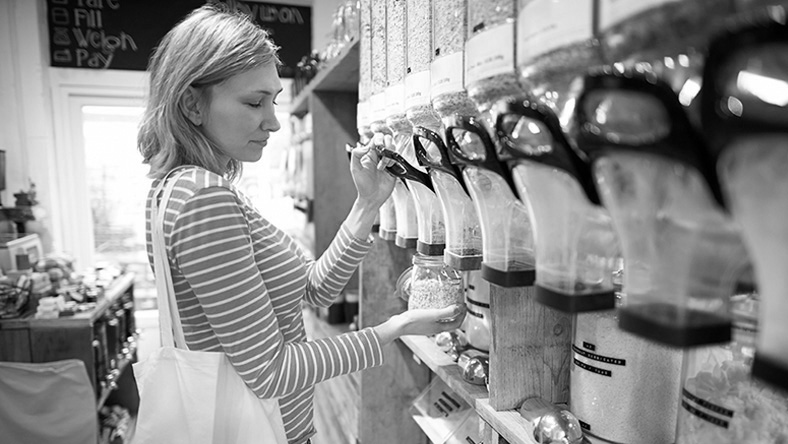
(489, 67)
(555, 44)
(433, 284)
(447, 87)
(418, 108)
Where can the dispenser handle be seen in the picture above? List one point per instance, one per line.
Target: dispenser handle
(404, 170)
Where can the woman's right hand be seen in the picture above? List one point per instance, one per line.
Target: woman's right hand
(425, 321)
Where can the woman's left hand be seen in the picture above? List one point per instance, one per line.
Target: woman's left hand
(373, 183)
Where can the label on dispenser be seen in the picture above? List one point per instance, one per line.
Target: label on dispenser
(703, 409)
(600, 358)
(545, 25)
(446, 74)
(417, 89)
(378, 107)
(592, 369)
(611, 12)
(362, 114)
(490, 53)
(395, 99)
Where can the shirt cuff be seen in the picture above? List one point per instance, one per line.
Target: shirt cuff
(368, 241)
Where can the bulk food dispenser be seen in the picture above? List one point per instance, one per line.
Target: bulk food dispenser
(682, 255)
(396, 120)
(745, 118)
(577, 250)
(377, 103)
(448, 97)
(507, 235)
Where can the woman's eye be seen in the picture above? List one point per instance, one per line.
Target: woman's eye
(256, 105)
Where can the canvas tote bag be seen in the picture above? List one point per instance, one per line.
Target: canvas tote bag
(194, 397)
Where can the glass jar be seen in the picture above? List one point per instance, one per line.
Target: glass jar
(555, 44)
(720, 402)
(430, 283)
(447, 85)
(489, 67)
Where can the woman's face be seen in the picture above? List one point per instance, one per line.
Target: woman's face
(240, 113)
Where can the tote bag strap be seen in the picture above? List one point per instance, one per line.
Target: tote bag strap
(169, 320)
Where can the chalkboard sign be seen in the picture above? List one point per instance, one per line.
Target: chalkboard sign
(121, 34)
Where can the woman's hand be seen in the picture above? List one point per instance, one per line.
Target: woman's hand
(373, 184)
(426, 321)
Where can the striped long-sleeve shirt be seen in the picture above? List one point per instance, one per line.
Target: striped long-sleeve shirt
(239, 283)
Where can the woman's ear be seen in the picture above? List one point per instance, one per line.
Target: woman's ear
(190, 103)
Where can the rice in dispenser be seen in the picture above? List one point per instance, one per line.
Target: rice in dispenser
(555, 44)
(682, 255)
(576, 247)
(720, 402)
(507, 234)
(745, 113)
(489, 52)
(463, 249)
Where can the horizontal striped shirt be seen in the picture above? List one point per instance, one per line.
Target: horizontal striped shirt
(239, 284)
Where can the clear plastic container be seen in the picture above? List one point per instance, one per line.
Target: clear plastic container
(507, 234)
(378, 46)
(623, 388)
(396, 65)
(576, 246)
(637, 31)
(720, 402)
(682, 253)
(555, 44)
(388, 220)
(364, 51)
(417, 79)
(447, 86)
(430, 283)
(745, 123)
(477, 320)
(489, 67)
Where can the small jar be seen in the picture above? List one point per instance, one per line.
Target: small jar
(430, 283)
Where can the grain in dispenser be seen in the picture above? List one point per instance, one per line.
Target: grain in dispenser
(555, 44)
(447, 72)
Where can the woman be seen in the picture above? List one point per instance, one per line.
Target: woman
(239, 281)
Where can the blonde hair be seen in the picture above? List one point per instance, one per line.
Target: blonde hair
(207, 47)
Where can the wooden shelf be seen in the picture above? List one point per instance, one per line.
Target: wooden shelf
(340, 74)
(508, 424)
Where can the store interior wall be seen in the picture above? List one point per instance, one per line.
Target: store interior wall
(28, 88)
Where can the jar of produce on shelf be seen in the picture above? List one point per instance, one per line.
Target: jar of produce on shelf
(418, 108)
(430, 283)
(623, 388)
(447, 85)
(489, 67)
(720, 402)
(555, 44)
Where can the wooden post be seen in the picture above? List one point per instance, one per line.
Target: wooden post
(529, 351)
(388, 391)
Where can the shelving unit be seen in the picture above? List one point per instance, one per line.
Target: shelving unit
(340, 74)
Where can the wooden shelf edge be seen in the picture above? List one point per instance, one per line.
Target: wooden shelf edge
(509, 424)
(327, 79)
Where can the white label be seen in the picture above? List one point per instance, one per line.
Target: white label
(490, 53)
(446, 74)
(417, 89)
(378, 104)
(545, 25)
(612, 12)
(395, 99)
(362, 114)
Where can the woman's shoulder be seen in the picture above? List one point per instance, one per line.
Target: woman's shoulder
(191, 181)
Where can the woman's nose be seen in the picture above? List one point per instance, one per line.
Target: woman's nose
(271, 123)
